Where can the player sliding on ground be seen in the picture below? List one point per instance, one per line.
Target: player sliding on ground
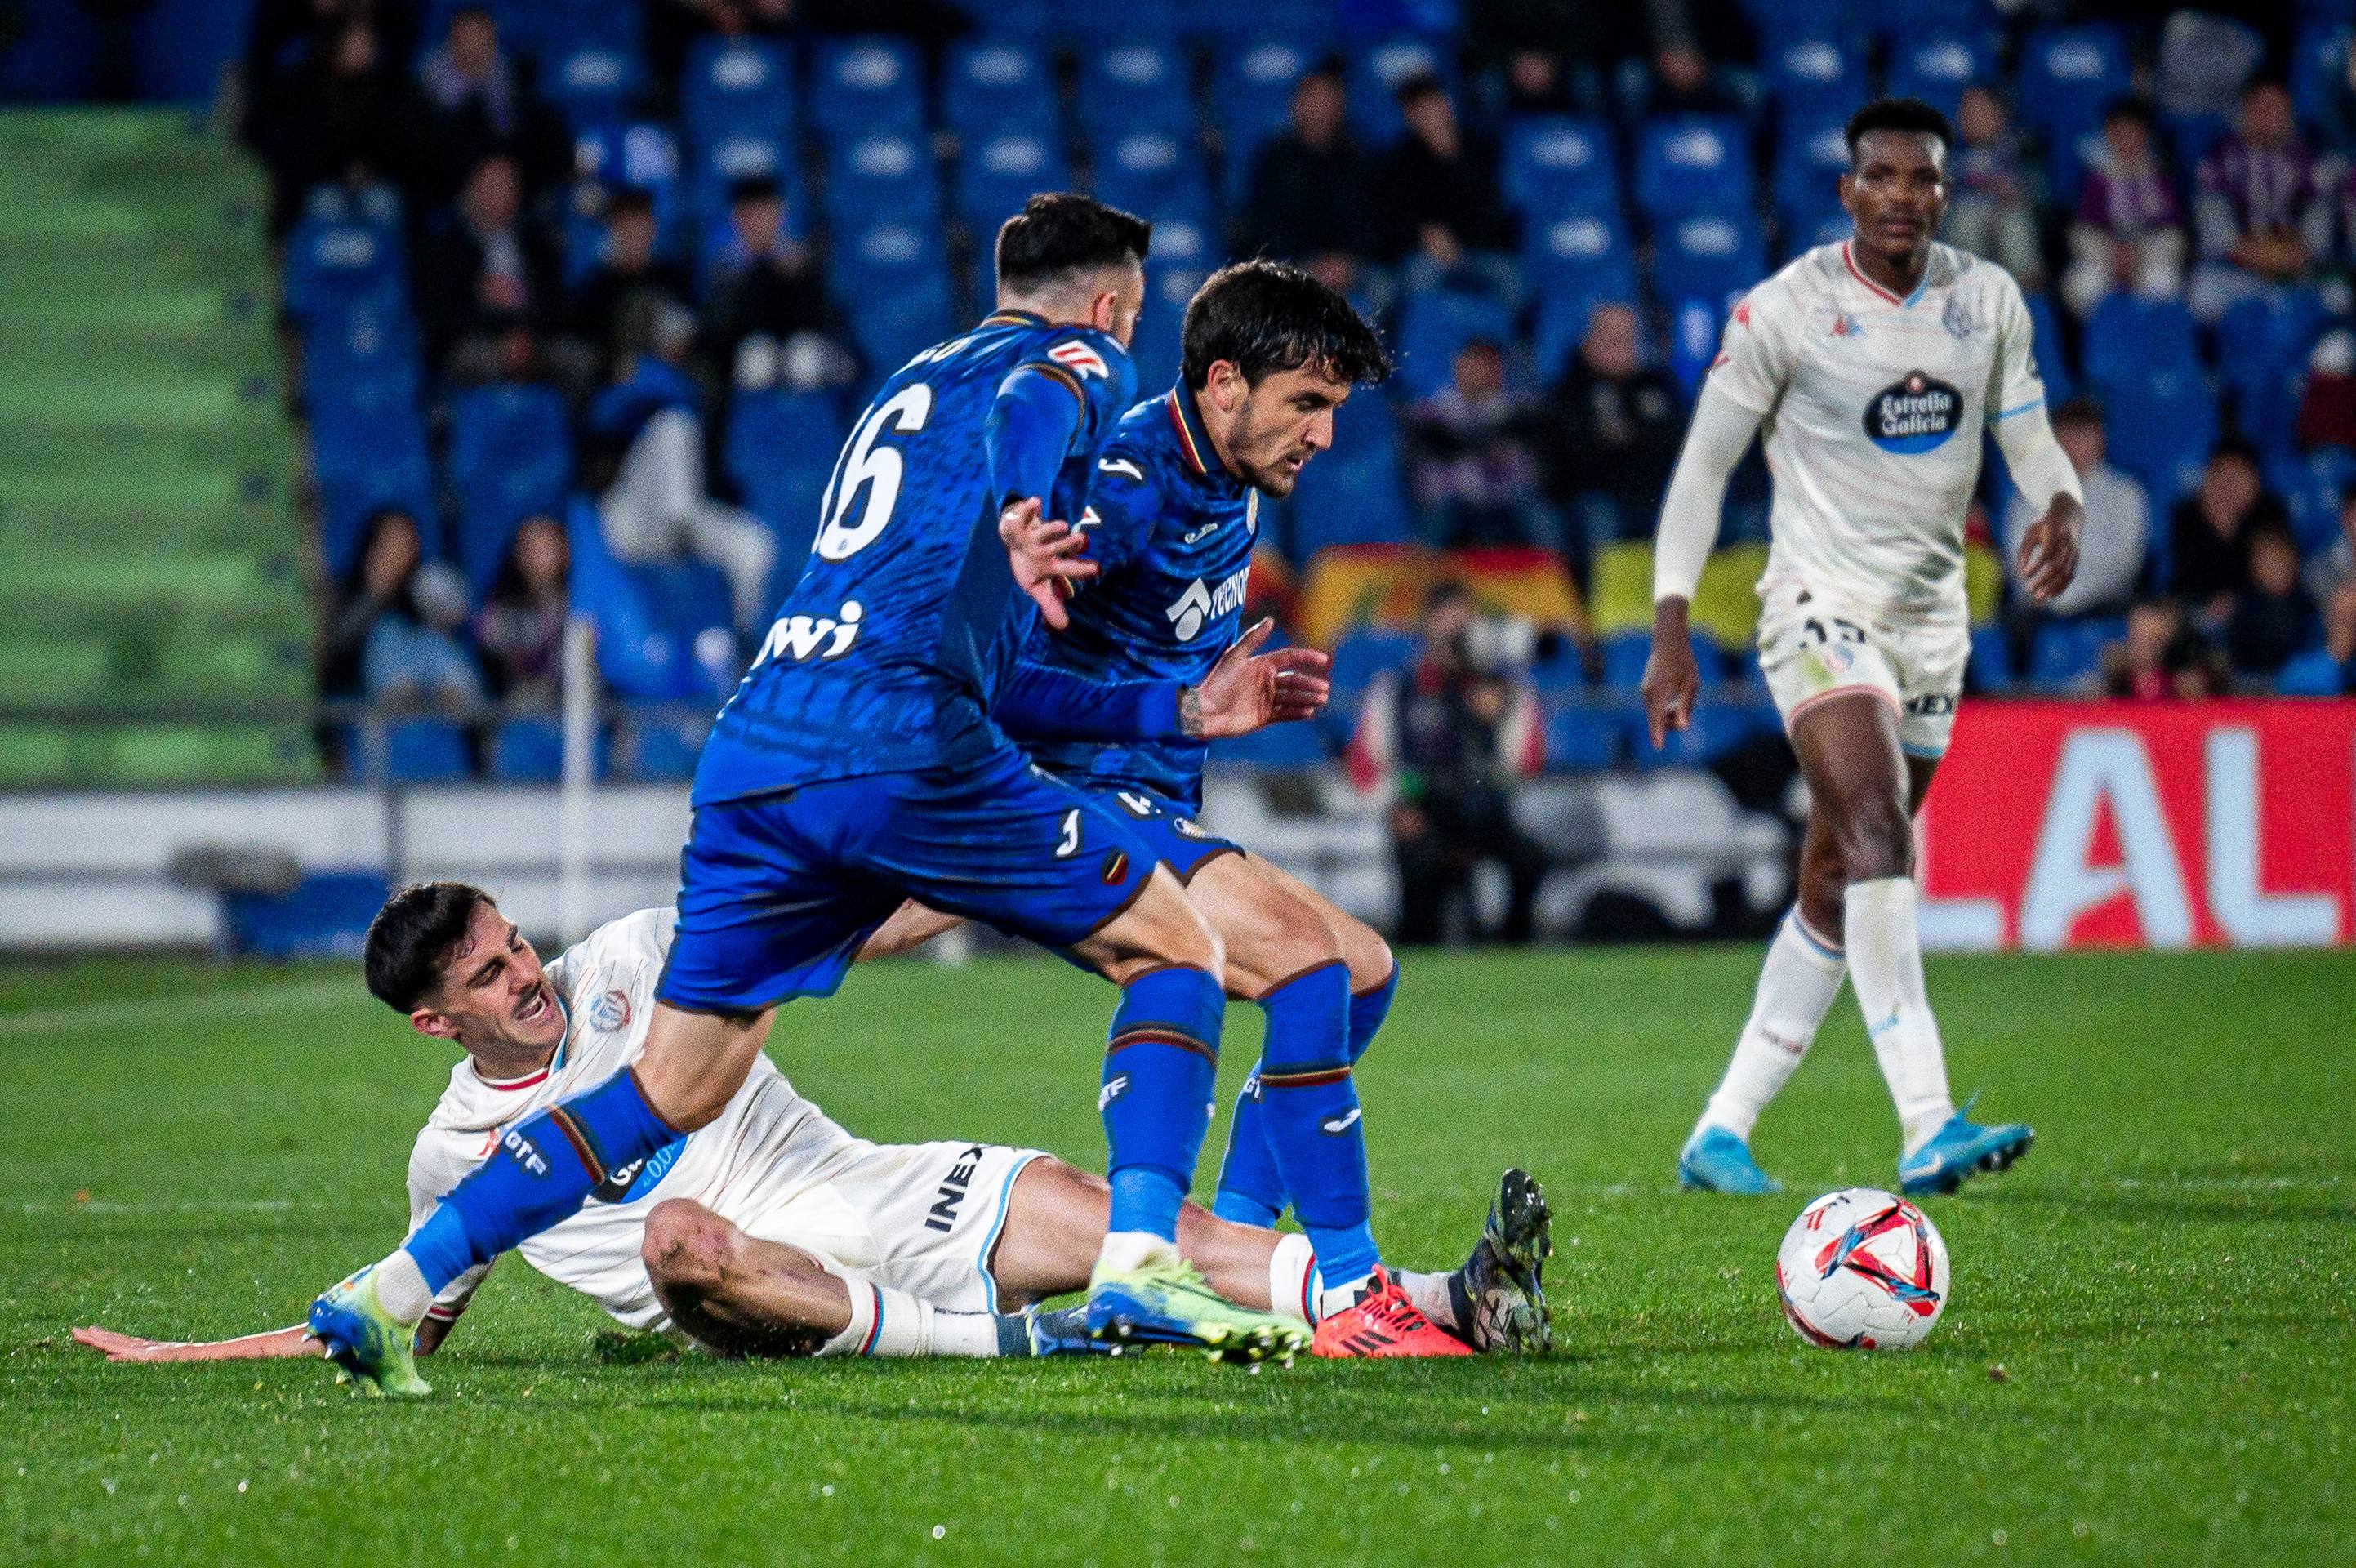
(1269, 353)
(1872, 368)
(772, 1231)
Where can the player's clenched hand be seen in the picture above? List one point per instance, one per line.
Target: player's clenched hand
(1046, 556)
(1672, 679)
(1249, 690)
(2049, 548)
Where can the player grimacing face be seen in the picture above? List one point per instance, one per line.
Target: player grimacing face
(1272, 429)
(1896, 192)
(494, 999)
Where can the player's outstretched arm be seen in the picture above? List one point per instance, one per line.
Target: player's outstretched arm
(275, 1344)
(1720, 433)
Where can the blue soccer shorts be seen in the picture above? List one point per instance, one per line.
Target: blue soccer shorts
(778, 892)
(1169, 829)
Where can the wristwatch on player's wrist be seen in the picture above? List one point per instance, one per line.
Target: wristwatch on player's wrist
(1190, 712)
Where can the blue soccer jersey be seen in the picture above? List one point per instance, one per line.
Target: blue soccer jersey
(1173, 534)
(886, 655)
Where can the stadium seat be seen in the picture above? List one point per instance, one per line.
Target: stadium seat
(1814, 76)
(996, 175)
(1366, 651)
(1154, 21)
(1276, 747)
(780, 448)
(661, 631)
(1714, 728)
(881, 180)
(1373, 77)
(1936, 67)
(2067, 654)
(1582, 737)
(1134, 88)
(368, 444)
(2066, 75)
(1693, 164)
(993, 88)
(2161, 432)
(596, 75)
(1153, 171)
(1251, 95)
(643, 155)
(2319, 59)
(2263, 344)
(1583, 256)
(1028, 22)
(1559, 163)
(1810, 157)
(2053, 367)
(2130, 337)
(1434, 322)
(1620, 588)
(425, 751)
(2313, 673)
(1183, 257)
(510, 456)
(2310, 486)
(1353, 494)
(894, 284)
(1990, 670)
(868, 86)
(1706, 257)
(528, 751)
(738, 87)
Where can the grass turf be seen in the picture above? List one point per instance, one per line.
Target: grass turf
(2165, 1285)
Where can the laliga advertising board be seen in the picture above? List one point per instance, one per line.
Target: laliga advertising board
(2158, 824)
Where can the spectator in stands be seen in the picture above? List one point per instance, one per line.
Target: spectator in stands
(1472, 458)
(1307, 195)
(2208, 533)
(2261, 215)
(2116, 535)
(520, 632)
(1439, 205)
(2333, 570)
(2274, 620)
(626, 269)
(391, 634)
(1454, 738)
(341, 106)
(1691, 41)
(1994, 190)
(1536, 83)
(2327, 404)
(2164, 656)
(376, 585)
(644, 446)
(1615, 425)
(2339, 633)
(770, 320)
(487, 263)
(1586, 39)
(2129, 231)
(480, 109)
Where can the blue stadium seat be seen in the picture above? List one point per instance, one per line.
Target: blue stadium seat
(425, 751)
(1558, 672)
(1625, 653)
(1582, 737)
(738, 87)
(1559, 163)
(1810, 157)
(2053, 367)
(998, 175)
(884, 179)
(664, 745)
(2066, 75)
(1153, 171)
(2190, 138)
(368, 450)
(1183, 257)
(2318, 58)
(994, 87)
(2263, 343)
(1813, 76)
(643, 155)
(1353, 494)
(1562, 327)
(1373, 77)
(1936, 67)
(651, 621)
(2311, 486)
(1990, 670)
(2313, 673)
(1154, 21)
(868, 86)
(2130, 337)
(780, 448)
(1278, 746)
(1434, 322)
(2065, 652)
(1715, 728)
(2161, 432)
(510, 456)
(1251, 96)
(1365, 651)
(528, 751)
(1578, 259)
(1689, 163)
(895, 284)
(1708, 257)
(52, 54)
(1134, 87)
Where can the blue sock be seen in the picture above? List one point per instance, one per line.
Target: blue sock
(1251, 1189)
(1159, 1064)
(544, 1169)
(1310, 1107)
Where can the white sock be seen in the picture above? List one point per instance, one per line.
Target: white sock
(401, 1286)
(885, 1322)
(1293, 1278)
(1332, 1299)
(1885, 965)
(967, 1334)
(1127, 1249)
(1429, 1293)
(1797, 988)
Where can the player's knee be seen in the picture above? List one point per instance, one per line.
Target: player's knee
(688, 1248)
(1877, 837)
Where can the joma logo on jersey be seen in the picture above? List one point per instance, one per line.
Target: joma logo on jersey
(1079, 359)
(1917, 414)
(799, 638)
(1198, 606)
(952, 1191)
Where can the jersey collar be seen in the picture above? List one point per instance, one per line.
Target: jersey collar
(1194, 448)
(1875, 289)
(1014, 319)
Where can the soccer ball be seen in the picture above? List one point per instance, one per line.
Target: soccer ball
(1861, 1268)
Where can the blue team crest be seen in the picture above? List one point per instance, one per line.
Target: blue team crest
(1961, 319)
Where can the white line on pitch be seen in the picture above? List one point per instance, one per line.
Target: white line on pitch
(211, 1003)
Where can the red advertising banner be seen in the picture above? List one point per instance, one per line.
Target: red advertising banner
(2159, 825)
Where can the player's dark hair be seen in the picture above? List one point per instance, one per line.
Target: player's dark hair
(409, 942)
(1910, 116)
(1058, 233)
(1263, 316)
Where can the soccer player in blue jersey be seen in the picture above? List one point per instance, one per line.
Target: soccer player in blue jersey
(859, 765)
(1172, 516)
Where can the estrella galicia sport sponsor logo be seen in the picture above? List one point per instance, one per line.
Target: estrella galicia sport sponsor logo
(1917, 414)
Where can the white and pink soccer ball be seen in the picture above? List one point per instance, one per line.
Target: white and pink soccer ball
(1861, 1268)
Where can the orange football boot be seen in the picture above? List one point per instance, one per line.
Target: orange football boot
(1384, 1323)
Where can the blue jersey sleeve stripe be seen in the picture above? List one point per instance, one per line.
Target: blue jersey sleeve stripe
(2037, 402)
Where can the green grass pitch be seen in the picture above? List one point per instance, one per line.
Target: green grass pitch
(2147, 1358)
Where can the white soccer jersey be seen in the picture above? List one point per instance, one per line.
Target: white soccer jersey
(1872, 409)
(770, 1154)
